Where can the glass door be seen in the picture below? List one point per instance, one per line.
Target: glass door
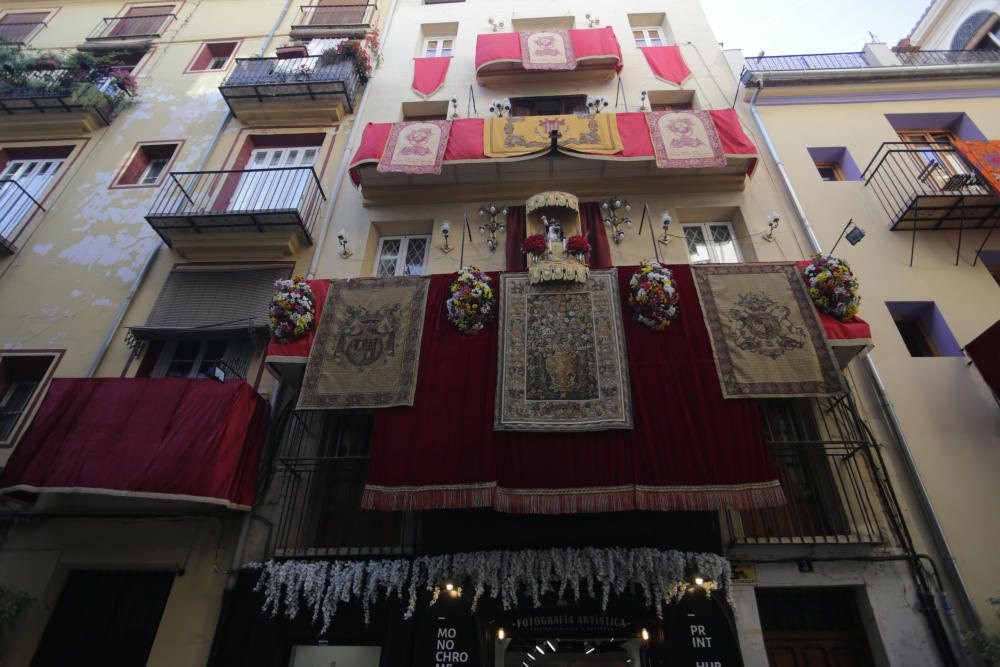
(33, 177)
(276, 179)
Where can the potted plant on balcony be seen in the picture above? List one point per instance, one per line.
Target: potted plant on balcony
(364, 53)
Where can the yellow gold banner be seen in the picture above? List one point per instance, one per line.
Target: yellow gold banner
(509, 137)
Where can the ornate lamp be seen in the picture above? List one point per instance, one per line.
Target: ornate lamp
(491, 228)
(610, 207)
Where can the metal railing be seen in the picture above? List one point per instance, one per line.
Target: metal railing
(238, 199)
(313, 77)
(901, 173)
(931, 58)
(130, 27)
(832, 481)
(333, 17)
(19, 33)
(61, 89)
(15, 205)
(807, 61)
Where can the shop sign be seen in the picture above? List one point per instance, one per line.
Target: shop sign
(701, 633)
(447, 638)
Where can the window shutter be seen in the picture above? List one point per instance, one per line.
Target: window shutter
(205, 302)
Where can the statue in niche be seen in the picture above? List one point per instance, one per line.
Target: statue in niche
(553, 234)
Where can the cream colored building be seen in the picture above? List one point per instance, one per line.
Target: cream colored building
(161, 225)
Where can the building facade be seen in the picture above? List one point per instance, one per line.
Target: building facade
(226, 507)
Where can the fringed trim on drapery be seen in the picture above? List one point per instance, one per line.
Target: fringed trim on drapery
(573, 501)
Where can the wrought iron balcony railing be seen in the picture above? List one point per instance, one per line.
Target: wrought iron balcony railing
(130, 27)
(16, 204)
(277, 199)
(928, 185)
(331, 18)
(931, 58)
(312, 77)
(858, 60)
(829, 474)
(61, 89)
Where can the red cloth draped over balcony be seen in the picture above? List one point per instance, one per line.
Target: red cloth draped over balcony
(429, 74)
(857, 332)
(465, 143)
(667, 63)
(588, 44)
(985, 354)
(690, 449)
(175, 438)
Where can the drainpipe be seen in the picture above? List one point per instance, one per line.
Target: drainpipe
(127, 303)
(923, 497)
(345, 161)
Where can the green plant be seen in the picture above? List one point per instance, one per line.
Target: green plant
(988, 646)
(12, 603)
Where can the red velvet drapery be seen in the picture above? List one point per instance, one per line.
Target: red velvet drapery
(429, 74)
(690, 449)
(516, 233)
(592, 226)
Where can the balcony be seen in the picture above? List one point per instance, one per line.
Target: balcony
(16, 205)
(868, 60)
(334, 21)
(593, 55)
(262, 213)
(830, 472)
(929, 186)
(314, 90)
(117, 32)
(57, 102)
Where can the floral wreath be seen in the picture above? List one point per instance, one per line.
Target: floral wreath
(472, 304)
(653, 296)
(292, 311)
(833, 287)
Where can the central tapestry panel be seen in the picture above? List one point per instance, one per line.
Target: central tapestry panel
(562, 363)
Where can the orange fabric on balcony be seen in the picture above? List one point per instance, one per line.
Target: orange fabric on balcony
(985, 157)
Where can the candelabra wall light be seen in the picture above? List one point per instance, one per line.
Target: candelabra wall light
(342, 240)
(491, 228)
(596, 103)
(495, 26)
(454, 109)
(610, 207)
(593, 21)
(665, 221)
(772, 225)
(446, 232)
(499, 108)
(643, 96)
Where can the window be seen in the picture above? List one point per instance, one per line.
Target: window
(21, 375)
(20, 27)
(148, 165)
(923, 329)
(142, 21)
(711, 242)
(402, 255)
(829, 171)
(834, 163)
(548, 106)
(438, 47)
(213, 56)
(333, 13)
(195, 358)
(650, 36)
(26, 175)
(426, 110)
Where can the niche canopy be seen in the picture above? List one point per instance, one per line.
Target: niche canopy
(555, 217)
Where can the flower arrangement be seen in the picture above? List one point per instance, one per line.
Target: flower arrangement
(472, 303)
(536, 245)
(364, 53)
(124, 80)
(654, 297)
(292, 312)
(833, 287)
(515, 578)
(578, 245)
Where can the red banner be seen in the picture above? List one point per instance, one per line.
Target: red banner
(429, 74)
(667, 63)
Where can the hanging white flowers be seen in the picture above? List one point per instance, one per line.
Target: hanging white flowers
(512, 577)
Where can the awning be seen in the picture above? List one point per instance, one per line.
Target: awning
(193, 440)
(200, 302)
(985, 354)
(465, 143)
(500, 53)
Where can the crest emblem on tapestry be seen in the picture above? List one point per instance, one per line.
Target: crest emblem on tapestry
(367, 337)
(762, 325)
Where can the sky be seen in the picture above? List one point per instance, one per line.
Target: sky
(789, 27)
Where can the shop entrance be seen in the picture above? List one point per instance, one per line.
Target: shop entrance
(578, 652)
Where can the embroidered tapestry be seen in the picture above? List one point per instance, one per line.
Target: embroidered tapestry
(547, 49)
(765, 333)
(367, 345)
(985, 156)
(685, 140)
(512, 136)
(561, 361)
(416, 147)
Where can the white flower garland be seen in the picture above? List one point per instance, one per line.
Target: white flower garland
(664, 576)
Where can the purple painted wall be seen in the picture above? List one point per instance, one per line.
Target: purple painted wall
(932, 322)
(956, 122)
(840, 156)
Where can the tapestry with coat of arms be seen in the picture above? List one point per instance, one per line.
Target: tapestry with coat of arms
(562, 363)
(367, 345)
(766, 336)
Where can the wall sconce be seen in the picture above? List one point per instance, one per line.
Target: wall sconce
(454, 108)
(446, 230)
(342, 240)
(772, 225)
(500, 107)
(595, 103)
(643, 96)
(495, 26)
(592, 21)
(610, 207)
(665, 221)
(492, 227)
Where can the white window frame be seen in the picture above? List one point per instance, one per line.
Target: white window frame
(220, 62)
(149, 177)
(169, 351)
(401, 257)
(27, 412)
(713, 252)
(648, 32)
(438, 51)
